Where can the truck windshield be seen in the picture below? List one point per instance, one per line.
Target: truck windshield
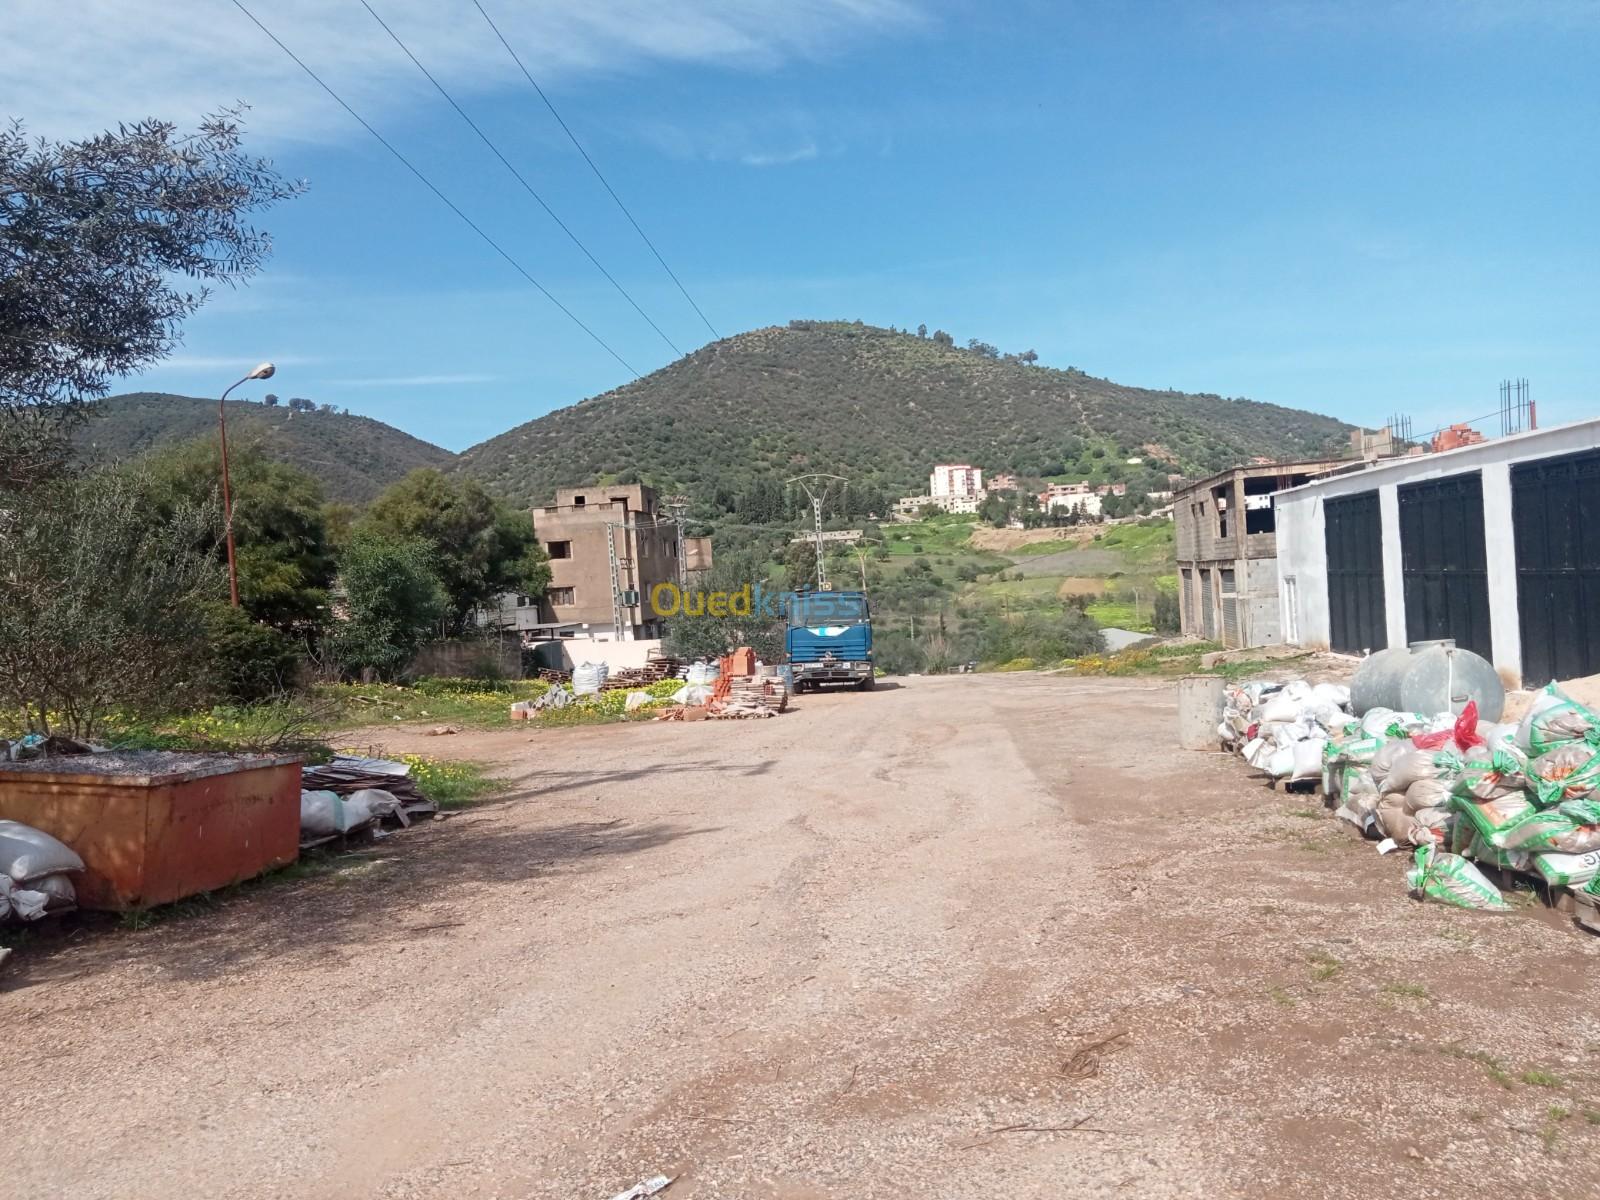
(826, 608)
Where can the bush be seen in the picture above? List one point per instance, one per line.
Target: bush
(249, 661)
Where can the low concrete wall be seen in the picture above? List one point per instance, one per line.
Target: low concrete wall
(470, 657)
(563, 654)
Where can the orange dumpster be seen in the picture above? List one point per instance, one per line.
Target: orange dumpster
(156, 826)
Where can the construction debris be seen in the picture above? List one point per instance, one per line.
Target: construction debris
(350, 794)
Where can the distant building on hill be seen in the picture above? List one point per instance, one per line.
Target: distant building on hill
(1004, 482)
(1070, 497)
(955, 479)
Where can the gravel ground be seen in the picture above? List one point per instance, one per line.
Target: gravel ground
(965, 937)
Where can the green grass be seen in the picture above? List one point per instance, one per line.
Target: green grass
(451, 784)
(1324, 966)
(1495, 1068)
(1534, 1077)
(1410, 991)
(1281, 997)
(1122, 614)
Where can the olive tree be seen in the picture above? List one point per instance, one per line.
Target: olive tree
(102, 607)
(106, 246)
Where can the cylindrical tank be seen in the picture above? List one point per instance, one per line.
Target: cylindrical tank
(1376, 683)
(1199, 711)
(1443, 677)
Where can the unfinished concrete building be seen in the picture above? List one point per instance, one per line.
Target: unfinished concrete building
(1227, 552)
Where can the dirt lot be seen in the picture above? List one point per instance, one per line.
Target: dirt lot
(967, 937)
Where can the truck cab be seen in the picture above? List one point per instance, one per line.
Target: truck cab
(829, 639)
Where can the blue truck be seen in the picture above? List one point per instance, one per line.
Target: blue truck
(829, 639)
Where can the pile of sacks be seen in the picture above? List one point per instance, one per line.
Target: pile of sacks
(1284, 728)
(34, 873)
(1521, 797)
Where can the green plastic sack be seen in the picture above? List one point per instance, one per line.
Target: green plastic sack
(1489, 775)
(1492, 817)
(1537, 830)
(1556, 720)
(1568, 870)
(1568, 772)
(1452, 879)
(1583, 812)
(1469, 843)
(1353, 750)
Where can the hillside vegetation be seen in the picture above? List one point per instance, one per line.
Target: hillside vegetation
(353, 457)
(879, 406)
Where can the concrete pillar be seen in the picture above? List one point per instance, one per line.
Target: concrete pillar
(1500, 548)
(1394, 580)
(1200, 703)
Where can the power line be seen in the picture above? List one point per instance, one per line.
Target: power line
(520, 178)
(429, 184)
(603, 182)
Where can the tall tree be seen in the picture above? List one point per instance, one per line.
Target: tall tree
(105, 247)
(480, 548)
(284, 552)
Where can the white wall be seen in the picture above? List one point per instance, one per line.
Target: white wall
(616, 655)
(1302, 550)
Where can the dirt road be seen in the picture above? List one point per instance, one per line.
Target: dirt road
(970, 937)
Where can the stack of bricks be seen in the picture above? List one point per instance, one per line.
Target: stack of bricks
(551, 675)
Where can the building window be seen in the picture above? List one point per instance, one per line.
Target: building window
(577, 501)
(558, 549)
(561, 597)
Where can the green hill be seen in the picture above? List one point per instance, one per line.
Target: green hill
(354, 457)
(881, 407)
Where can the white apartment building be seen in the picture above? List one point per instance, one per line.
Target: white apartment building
(955, 479)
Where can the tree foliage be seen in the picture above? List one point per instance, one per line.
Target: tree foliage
(707, 636)
(480, 548)
(285, 557)
(105, 247)
(393, 601)
(102, 607)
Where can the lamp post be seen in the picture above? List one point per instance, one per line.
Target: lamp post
(264, 371)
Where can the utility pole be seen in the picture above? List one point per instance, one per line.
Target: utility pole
(817, 497)
(676, 506)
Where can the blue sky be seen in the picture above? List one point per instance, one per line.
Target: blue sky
(1353, 208)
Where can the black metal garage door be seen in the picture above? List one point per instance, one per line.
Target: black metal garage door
(1354, 533)
(1442, 557)
(1555, 512)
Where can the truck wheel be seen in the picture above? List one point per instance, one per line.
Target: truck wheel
(867, 684)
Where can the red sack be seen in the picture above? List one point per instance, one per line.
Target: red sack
(1465, 733)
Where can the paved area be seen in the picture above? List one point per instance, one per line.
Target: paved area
(966, 937)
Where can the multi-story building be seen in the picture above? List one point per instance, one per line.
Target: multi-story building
(1227, 552)
(955, 479)
(608, 547)
(1070, 497)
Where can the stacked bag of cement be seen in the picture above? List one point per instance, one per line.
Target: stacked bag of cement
(1547, 815)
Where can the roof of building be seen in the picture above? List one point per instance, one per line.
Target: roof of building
(1511, 445)
(1257, 470)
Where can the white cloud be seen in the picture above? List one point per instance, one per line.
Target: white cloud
(413, 381)
(223, 362)
(780, 158)
(70, 69)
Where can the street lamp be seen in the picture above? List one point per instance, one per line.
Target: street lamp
(264, 371)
